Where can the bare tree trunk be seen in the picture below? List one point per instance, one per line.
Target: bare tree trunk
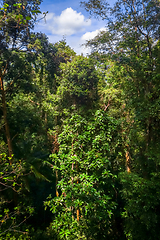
(128, 162)
(4, 108)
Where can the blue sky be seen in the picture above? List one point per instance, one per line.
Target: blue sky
(66, 19)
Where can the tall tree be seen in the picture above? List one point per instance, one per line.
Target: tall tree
(87, 205)
(84, 157)
(78, 82)
(16, 21)
(131, 41)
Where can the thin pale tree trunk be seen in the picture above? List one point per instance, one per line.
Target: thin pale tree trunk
(128, 162)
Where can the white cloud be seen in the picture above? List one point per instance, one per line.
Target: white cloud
(88, 36)
(72, 25)
(68, 23)
(91, 35)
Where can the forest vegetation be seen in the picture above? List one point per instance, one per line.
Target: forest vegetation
(79, 136)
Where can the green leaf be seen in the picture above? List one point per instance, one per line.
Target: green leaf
(28, 18)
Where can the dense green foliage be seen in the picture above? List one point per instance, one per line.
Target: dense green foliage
(79, 151)
(88, 145)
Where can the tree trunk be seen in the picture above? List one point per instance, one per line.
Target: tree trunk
(4, 109)
(128, 162)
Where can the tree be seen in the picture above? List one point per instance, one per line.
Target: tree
(16, 21)
(21, 110)
(12, 213)
(131, 41)
(64, 52)
(86, 145)
(88, 195)
(78, 83)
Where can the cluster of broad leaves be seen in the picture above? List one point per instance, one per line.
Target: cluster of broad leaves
(79, 136)
(87, 179)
